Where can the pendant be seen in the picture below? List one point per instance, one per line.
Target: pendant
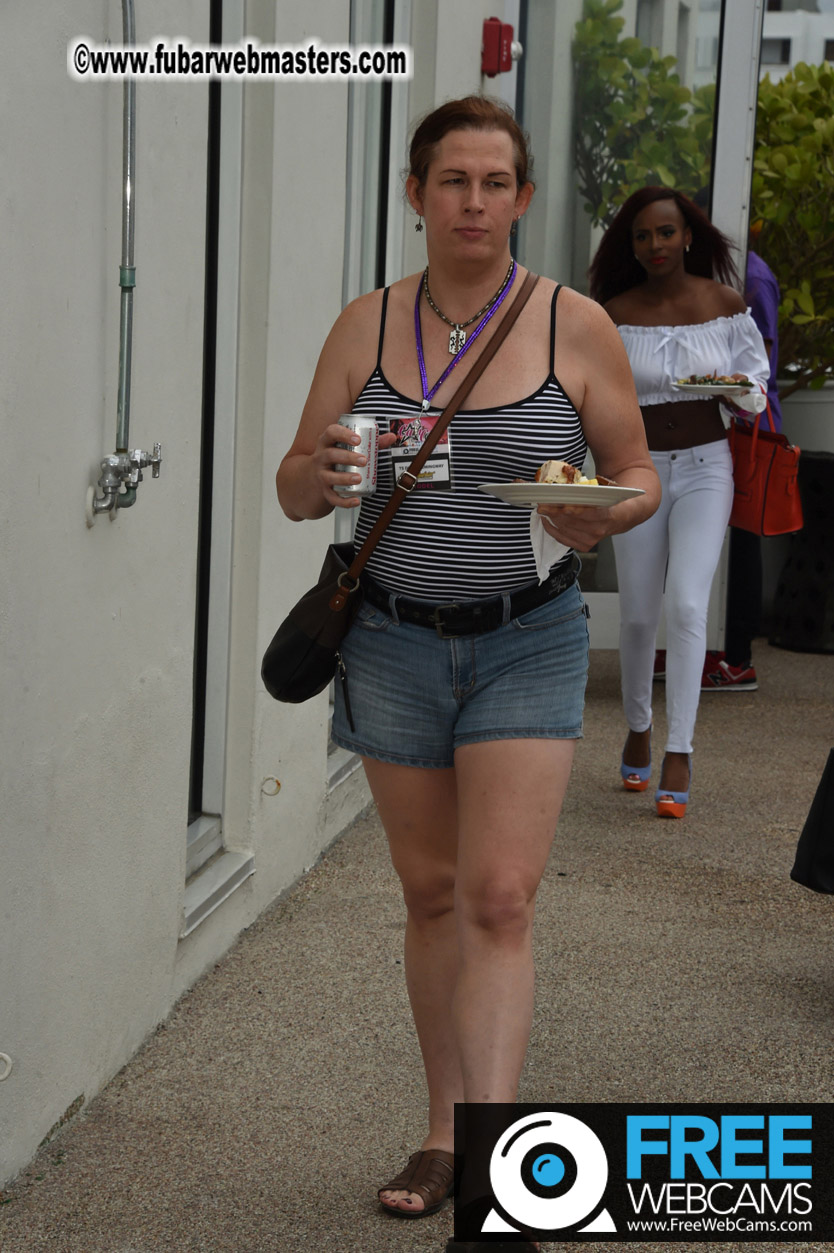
(456, 340)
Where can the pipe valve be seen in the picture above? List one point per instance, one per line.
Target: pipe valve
(123, 468)
(139, 459)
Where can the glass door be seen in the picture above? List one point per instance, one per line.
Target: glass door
(615, 96)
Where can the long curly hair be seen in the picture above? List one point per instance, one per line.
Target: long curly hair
(615, 268)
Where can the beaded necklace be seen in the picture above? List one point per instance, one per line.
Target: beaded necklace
(457, 338)
(489, 312)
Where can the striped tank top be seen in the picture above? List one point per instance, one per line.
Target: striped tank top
(464, 544)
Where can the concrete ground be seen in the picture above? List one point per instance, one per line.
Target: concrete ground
(676, 961)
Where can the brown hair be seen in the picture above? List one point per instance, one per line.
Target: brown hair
(472, 113)
(615, 269)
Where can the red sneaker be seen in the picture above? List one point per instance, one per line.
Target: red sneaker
(712, 658)
(722, 677)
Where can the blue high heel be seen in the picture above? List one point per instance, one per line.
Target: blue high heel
(638, 784)
(643, 774)
(673, 804)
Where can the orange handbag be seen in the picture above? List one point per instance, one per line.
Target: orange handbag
(766, 497)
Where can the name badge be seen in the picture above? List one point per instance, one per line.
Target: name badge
(411, 434)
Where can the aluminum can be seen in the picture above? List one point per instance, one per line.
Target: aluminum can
(368, 432)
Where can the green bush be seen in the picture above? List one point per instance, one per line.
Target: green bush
(635, 121)
(636, 124)
(793, 197)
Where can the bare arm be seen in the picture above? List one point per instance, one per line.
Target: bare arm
(306, 476)
(604, 394)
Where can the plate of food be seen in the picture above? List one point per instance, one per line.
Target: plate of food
(717, 384)
(558, 483)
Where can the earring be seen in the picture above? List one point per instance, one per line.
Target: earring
(687, 247)
(514, 227)
(418, 225)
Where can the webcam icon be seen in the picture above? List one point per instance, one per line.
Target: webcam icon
(548, 1171)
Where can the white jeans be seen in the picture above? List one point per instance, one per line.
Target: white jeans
(679, 546)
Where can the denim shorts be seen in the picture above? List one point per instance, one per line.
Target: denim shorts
(416, 697)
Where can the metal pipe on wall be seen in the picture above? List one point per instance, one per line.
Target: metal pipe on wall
(123, 469)
(127, 272)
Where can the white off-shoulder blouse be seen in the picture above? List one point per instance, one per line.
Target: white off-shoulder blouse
(659, 355)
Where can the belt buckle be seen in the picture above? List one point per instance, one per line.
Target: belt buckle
(437, 621)
(557, 584)
(564, 579)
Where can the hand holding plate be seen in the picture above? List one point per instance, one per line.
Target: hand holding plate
(577, 526)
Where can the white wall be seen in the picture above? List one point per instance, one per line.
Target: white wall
(807, 33)
(97, 623)
(297, 141)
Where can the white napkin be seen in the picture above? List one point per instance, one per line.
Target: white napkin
(747, 406)
(546, 549)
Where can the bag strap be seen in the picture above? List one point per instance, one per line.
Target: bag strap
(403, 488)
(753, 428)
(759, 425)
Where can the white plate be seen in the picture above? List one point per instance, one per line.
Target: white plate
(715, 389)
(560, 493)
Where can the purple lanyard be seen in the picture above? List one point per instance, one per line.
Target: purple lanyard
(421, 361)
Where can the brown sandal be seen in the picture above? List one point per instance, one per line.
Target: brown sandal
(431, 1174)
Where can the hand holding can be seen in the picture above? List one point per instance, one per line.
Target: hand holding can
(368, 447)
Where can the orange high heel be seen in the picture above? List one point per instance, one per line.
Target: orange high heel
(672, 804)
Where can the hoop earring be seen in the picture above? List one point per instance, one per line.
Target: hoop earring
(418, 225)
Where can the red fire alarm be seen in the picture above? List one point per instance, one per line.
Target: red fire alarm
(499, 51)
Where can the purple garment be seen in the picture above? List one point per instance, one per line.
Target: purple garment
(762, 295)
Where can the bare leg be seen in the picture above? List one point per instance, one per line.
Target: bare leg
(470, 846)
(418, 809)
(510, 795)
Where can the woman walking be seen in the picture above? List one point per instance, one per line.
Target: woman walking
(467, 672)
(662, 272)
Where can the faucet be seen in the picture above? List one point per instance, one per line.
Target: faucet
(124, 468)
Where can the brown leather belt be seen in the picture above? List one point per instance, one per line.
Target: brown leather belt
(469, 617)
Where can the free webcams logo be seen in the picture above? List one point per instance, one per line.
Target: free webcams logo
(548, 1172)
(724, 1172)
(646, 1172)
(530, 1169)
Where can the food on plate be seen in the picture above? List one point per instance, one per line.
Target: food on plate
(563, 472)
(714, 380)
(560, 472)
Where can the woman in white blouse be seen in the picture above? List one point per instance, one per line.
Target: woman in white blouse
(663, 272)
